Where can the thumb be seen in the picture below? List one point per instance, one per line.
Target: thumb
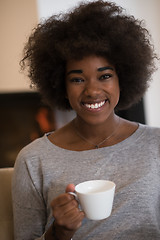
(70, 188)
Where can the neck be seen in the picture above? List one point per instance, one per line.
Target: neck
(95, 134)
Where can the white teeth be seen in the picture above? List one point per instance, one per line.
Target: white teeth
(99, 105)
(94, 106)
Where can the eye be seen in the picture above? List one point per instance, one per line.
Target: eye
(105, 76)
(77, 80)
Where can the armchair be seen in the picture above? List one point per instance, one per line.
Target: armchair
(6, 215)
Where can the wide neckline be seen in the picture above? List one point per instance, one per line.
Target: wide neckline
(123, 144)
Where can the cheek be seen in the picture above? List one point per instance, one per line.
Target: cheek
(115, 90)
(118, 96)
(70, 95)
(73, 92)
(117, 87)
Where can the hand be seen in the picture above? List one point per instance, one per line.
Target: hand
(68, 217)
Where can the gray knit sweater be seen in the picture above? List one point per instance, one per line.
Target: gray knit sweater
(43, 170)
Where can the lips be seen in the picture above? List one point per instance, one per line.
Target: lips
(95, 105)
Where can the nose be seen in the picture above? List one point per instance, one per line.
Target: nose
(92, 88)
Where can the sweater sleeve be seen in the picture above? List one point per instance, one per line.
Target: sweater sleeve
(29, 210)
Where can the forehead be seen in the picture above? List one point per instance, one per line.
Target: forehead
(92, 61)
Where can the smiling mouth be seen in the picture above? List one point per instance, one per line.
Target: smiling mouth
(95, 105)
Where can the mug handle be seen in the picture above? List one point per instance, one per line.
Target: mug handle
(74, 194)
(76, 197)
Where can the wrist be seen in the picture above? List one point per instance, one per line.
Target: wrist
(54, 232)
(59, 234)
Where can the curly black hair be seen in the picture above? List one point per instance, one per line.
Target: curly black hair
(100, 28)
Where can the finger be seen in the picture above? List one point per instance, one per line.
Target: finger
(70, 187)
(60, 212)
(61, 200)
(72, 220)
(77, 222)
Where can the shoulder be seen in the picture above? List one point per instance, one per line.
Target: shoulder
(149, 130)
(31, 156)
(150, 135)
(34, 148)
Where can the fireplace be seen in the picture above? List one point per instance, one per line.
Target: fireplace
(24, 118)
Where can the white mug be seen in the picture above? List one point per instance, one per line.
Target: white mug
(95, 198)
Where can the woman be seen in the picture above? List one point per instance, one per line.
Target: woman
(95, 60)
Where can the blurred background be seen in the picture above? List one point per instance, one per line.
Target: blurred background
(23, 116)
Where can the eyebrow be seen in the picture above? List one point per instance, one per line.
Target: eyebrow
(104, 68)
(75, 71)
(98, 69)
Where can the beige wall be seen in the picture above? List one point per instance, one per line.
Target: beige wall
(149, 11)
(17, 18)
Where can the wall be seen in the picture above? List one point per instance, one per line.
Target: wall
(17, 18)
(149, 11)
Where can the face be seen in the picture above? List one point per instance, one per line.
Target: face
(92, 88)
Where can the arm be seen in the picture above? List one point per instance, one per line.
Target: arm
(29, 208)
